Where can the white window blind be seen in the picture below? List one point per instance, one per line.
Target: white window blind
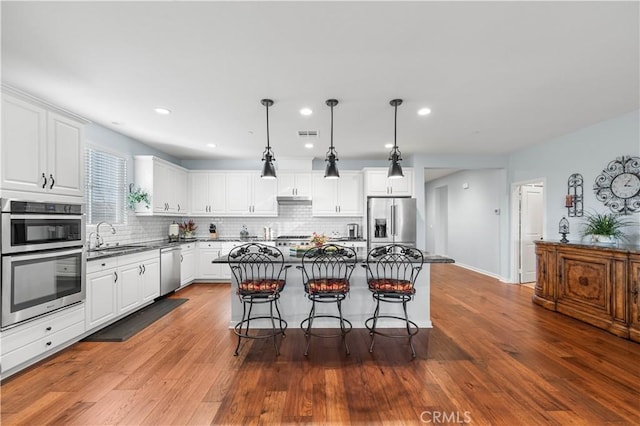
(105, 187)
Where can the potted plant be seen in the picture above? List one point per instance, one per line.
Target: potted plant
(604, 227)
(318, 239)
(138, 196)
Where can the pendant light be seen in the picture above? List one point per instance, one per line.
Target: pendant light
(395, 170)
(268, 169)
(331, 172)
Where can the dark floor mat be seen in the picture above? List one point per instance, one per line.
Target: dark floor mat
(130, 325)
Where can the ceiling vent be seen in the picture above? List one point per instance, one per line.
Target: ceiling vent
(307, 133)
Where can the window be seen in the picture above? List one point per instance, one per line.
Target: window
(105, 177)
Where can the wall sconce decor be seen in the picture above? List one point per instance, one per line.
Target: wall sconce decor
(575, 195)
(563, 228)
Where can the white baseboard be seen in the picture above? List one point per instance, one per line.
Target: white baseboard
(483, 272)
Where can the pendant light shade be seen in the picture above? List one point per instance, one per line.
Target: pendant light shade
(395, 169)
(268, 169)
(331, 172)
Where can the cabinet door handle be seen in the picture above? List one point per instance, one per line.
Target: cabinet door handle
(116, 276)
(144, 269)
(49, 343)
(139, 269)
(52, 181)
(178, 207)
(48, 328)
(44, 183)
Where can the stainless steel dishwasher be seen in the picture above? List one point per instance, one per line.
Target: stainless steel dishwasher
(169, 269)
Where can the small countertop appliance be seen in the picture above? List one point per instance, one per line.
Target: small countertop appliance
(353, 231)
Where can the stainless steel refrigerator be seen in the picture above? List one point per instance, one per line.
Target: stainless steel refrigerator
(391, 220)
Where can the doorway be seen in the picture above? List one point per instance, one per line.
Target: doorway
(528, 227)
(441, 237)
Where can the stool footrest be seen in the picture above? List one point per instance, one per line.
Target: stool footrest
(244, 334)
(308, 332)
(413, 329)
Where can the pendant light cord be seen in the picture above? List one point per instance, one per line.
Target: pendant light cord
(268, 147)
(395, 127)
(331, 127)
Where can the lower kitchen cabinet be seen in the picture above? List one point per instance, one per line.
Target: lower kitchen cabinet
(34, 340)
(207, 252)
(187, 264)
(120, 285)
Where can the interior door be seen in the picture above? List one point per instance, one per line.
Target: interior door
(531, 212)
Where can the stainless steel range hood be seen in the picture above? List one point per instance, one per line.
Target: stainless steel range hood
(300, 200)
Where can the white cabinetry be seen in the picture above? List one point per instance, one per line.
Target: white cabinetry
(36, 339)
(187, 263)
(337, 197)
(165, 183)
(208, 193)
(294, 183)
(207, 252)
(377, 184)
(250, 195)
(117, 286)
(42, 149)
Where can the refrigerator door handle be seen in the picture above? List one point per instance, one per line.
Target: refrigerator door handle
(393, 220)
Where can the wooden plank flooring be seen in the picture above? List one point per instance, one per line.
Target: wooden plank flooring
(492, 358)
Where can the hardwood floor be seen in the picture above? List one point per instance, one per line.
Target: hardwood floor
(492, 358)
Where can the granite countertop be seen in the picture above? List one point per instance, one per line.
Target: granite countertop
(130, 248)
(361, 256)
(619, 247)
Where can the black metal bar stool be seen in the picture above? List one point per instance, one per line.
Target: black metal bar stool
(325, 272)
(260, 276)
(391, 274)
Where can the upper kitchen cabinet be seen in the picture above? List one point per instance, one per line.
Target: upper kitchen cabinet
(377, 184)
(250, 195)
(42, 148)
(208, 193)
(337, 197)
(294, 184)
(166, 184)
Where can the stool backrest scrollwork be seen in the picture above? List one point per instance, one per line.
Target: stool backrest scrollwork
(330, 261)
(255, 261)
(394, 262)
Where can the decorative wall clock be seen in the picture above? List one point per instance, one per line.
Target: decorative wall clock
(618, 186)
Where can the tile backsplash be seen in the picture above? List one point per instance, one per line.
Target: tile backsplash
(291, 220)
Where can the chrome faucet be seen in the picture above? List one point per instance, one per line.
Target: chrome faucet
(99, 240)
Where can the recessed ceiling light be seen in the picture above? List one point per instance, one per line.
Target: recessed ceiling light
(306, 111)
(388, 145)
(211, 145)
(162, 111)
(424, 111)
(308, 145)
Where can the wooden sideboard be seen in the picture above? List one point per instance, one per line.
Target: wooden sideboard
(595, 284)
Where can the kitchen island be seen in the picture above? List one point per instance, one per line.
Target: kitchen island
(357, 307)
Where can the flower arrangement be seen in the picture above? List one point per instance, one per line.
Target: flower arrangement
(318, 239)
(188, 228)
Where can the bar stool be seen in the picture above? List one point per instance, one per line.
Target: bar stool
(325, 272)
(391, 274)
(260, 276)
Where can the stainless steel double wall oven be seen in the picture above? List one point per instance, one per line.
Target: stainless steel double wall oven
(43, 258)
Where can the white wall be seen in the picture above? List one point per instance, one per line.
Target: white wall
(474, 229)
(586, 151)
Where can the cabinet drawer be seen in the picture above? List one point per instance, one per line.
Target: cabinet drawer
(41, 346)
(24, 334)
(139, 257)
(100, 265)
(208, 245)
(186, 247)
